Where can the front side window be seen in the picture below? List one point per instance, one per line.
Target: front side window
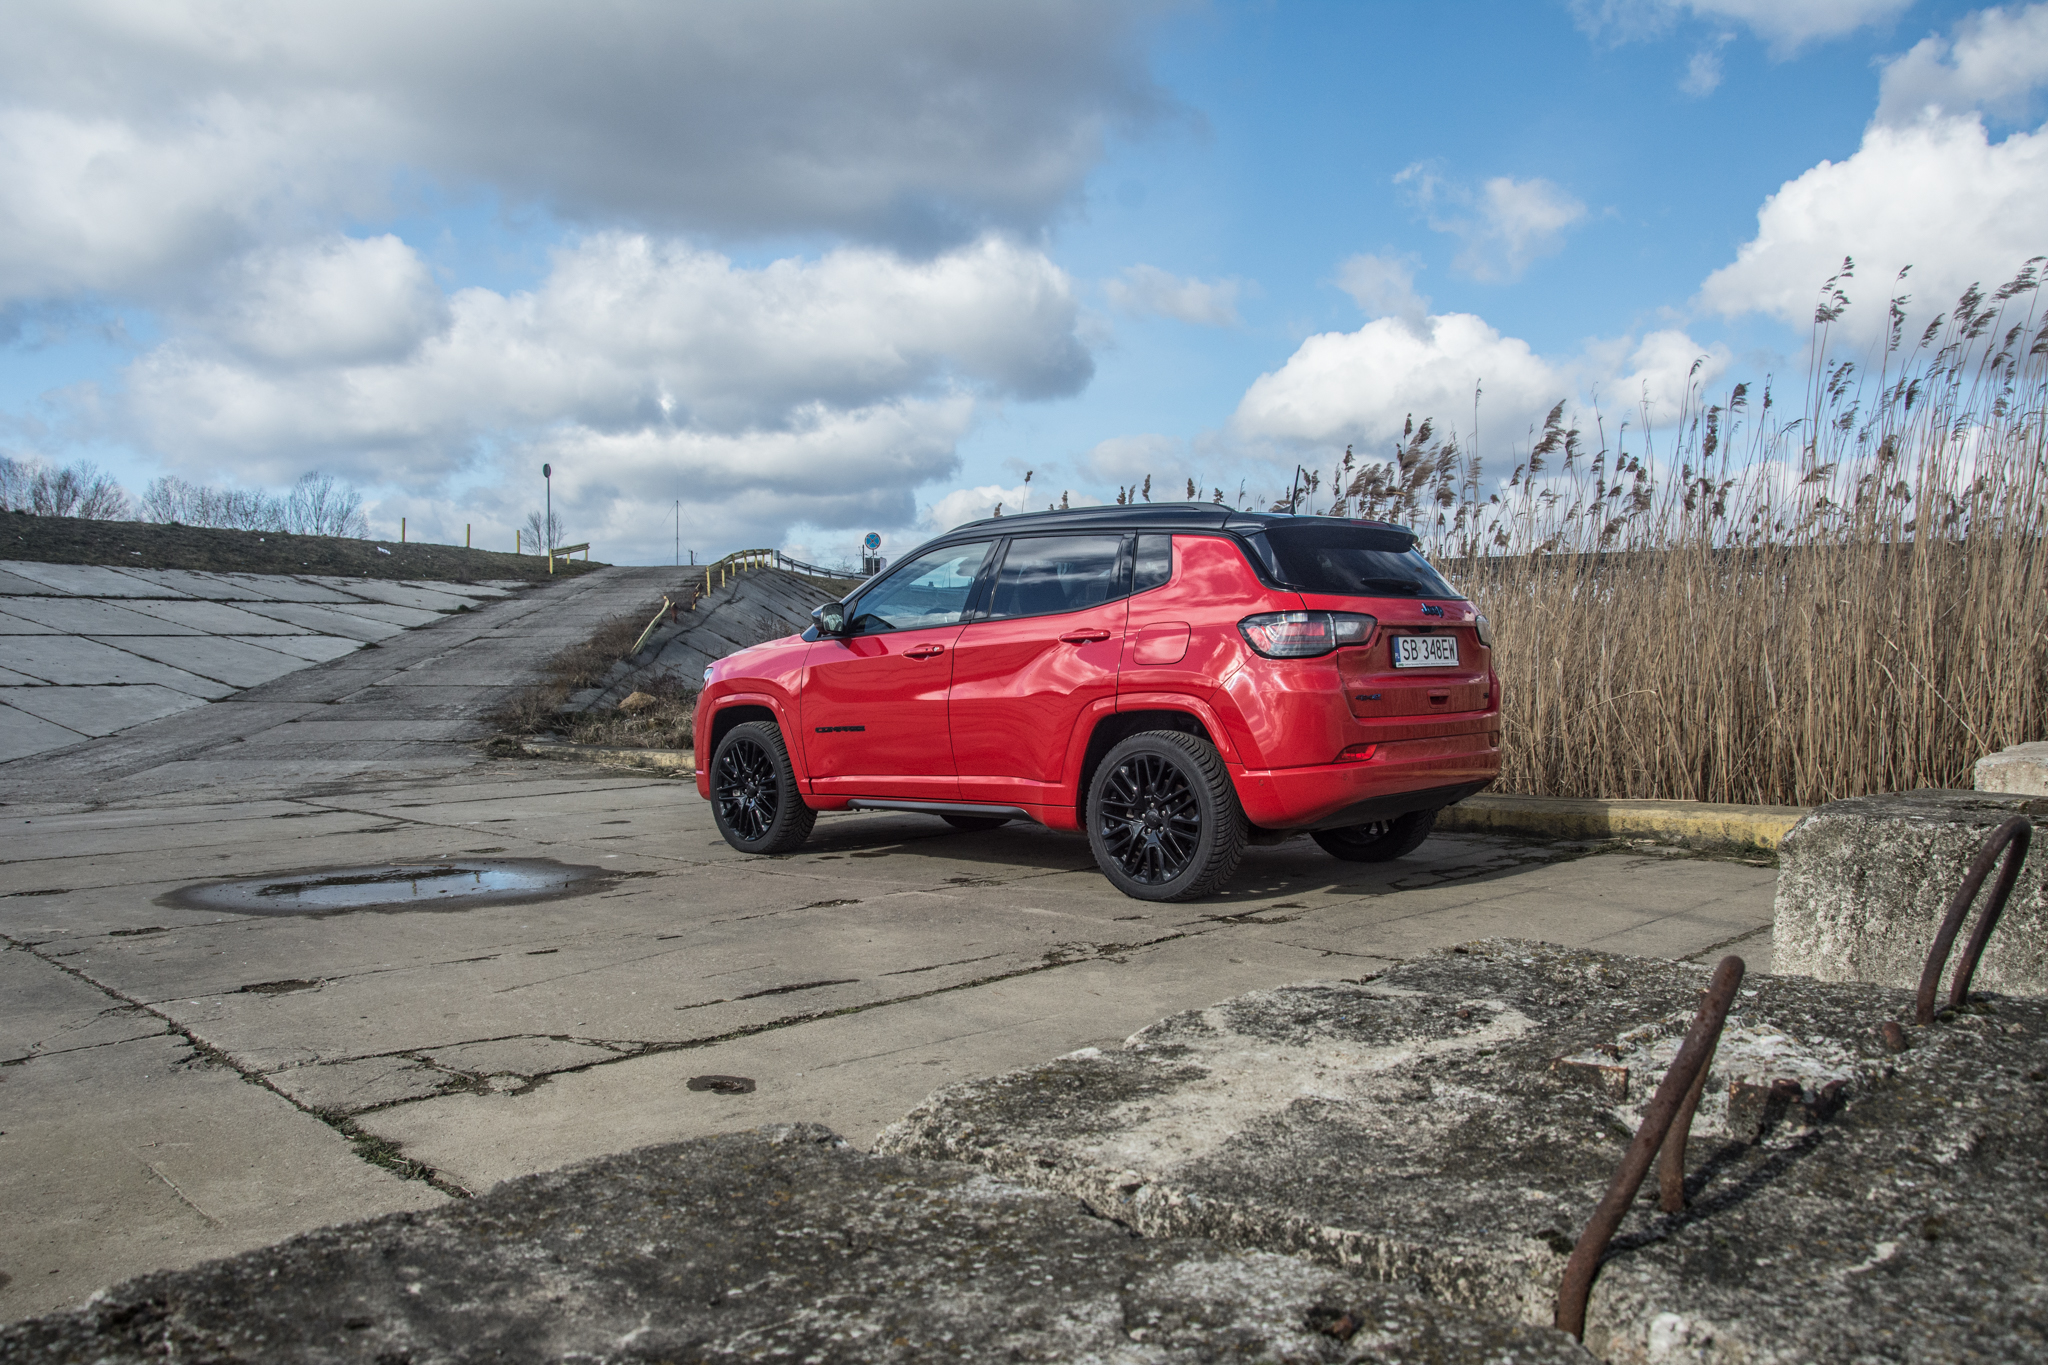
(931, 590)
(1046, 575)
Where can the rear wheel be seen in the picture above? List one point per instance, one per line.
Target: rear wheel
(1377, 841)
(971, 824)
(1164, 822)
(753, 791)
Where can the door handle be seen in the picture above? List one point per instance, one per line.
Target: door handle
(924, 651)
(1084, 637)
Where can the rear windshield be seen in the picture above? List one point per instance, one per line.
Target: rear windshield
(1348, 561)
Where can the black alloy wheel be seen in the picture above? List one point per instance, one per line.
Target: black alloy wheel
(1164, 821)
(1377, 841)
(974, 824)
(753, 792)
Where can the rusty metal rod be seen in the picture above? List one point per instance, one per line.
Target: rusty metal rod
(1687, 1067)
(2015, 834)
(1671, 1162)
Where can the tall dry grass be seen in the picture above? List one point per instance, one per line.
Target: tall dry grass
(1788, 605)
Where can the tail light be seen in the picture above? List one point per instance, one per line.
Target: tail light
(1485, 629)
(1304, 634)
(1358, 753)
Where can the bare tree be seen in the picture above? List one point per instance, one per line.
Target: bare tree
(544, 531)
(76, 490)
(321, 505)
(318, 505)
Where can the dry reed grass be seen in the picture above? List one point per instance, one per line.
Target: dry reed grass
(1785, 607)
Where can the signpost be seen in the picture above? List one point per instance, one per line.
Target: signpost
(871, 558)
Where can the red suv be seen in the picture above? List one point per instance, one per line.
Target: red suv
(1176, 680)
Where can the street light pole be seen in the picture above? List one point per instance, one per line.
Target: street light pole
(547, 526)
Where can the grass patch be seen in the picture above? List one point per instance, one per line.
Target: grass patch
(147, 545)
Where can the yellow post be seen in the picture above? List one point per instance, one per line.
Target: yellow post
(465, 535)
(401, 530)
(518, 542)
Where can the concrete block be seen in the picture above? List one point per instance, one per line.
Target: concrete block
(1697, 824)
(312, 648)
(73, 661)
(22, 734)
(259, 587)
(90, 616)
(213, 656)
(783, 1244)
(2020, 768)
(394, 594)
(1452, 1122)
(101, 710)
(1863, 884)
(11, 624)
(214, 618)
(329, 620)
(81, 580)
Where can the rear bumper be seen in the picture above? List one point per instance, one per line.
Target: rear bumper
(1404, 775)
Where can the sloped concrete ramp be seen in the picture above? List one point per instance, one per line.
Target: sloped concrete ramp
(92, 651)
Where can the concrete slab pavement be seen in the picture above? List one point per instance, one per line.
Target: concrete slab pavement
(890, 956)
(84, 630)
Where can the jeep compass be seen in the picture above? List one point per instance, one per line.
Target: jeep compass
(1174, 681)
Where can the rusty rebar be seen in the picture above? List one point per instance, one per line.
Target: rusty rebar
(1680, 1082)
(2015, 834)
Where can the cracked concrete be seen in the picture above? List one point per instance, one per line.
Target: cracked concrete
(890, 956)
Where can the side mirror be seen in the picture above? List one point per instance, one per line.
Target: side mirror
(831, 618)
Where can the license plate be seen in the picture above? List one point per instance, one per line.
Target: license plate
(1425, 651)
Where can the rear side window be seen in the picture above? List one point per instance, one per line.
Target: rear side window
(1045, 575)
(1348, 561)
(1154, 566)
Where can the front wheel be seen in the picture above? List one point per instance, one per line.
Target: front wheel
(753, 791)
(1164, 822)
(1377, 841)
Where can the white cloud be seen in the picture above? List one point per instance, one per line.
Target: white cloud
(1785, 24)
(1130, 459)
(1360, 388)
(808, 390)
(963, 505)
(139, 142)
(341, 301)
(1505, 224)
(1703, 71)
(1341, 387)
(1148, 291)
(1384, 286)
(1937, 195)
(1993, 63)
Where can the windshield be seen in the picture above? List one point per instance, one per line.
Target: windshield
(1348, 561)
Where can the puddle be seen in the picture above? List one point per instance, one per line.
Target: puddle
(462, 884)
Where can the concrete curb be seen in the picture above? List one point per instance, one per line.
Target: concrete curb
(671, 760)
(1698, 824)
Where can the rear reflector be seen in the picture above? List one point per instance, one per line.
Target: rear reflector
(1358, 753)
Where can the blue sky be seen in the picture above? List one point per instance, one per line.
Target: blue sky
(817, 270)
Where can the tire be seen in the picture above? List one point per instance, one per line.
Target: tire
(1164, 821)
(753, 791)
(1377, 841)
(974, 824)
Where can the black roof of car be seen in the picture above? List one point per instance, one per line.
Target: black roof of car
(1155, 516)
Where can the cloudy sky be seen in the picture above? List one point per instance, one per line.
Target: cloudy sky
(815, 269)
